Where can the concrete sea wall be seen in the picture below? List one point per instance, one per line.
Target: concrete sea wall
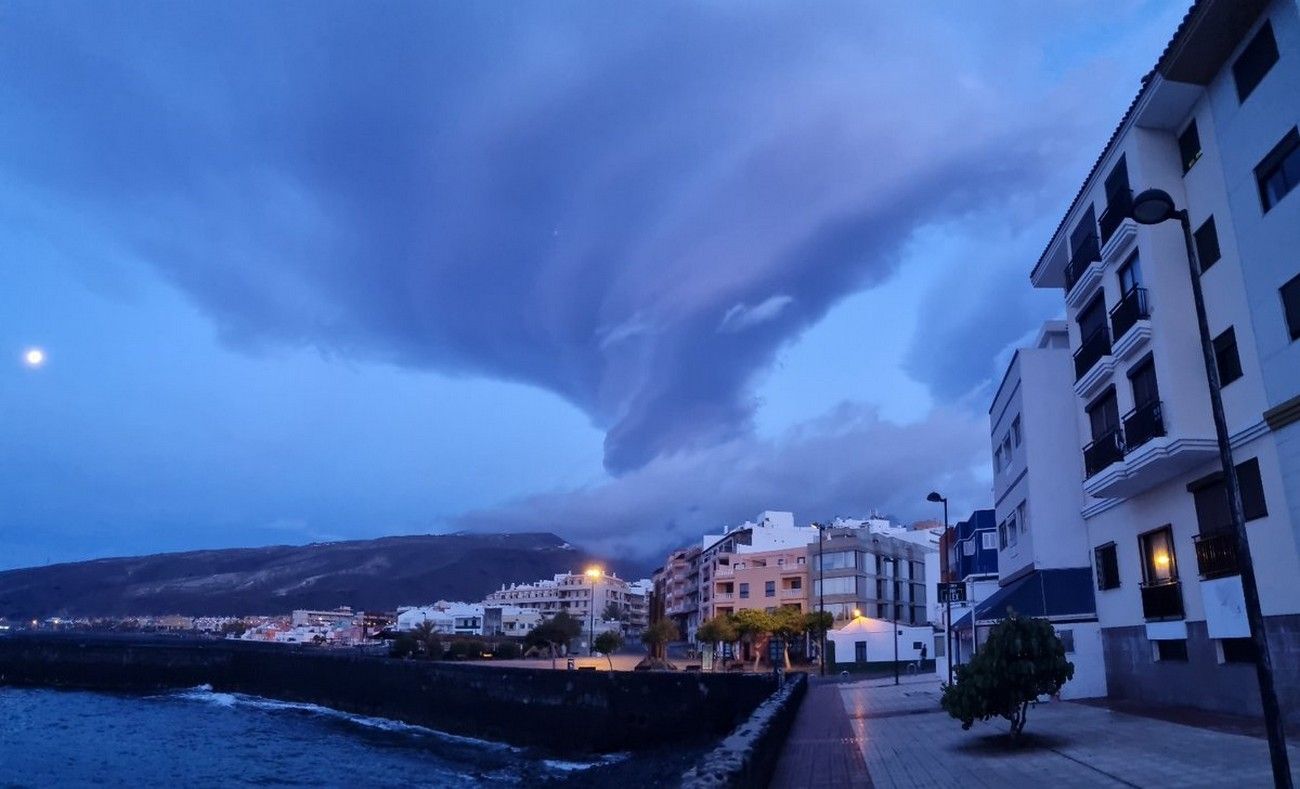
(561, 711)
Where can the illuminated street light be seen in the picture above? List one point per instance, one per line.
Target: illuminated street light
(593, 572)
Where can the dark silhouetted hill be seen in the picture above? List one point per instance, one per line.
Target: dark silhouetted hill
(375, 575)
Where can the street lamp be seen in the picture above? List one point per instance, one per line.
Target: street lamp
(947, 631)
(594, 574)
(1153, 207)
(821, 596)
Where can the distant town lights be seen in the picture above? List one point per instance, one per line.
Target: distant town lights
(33, 357)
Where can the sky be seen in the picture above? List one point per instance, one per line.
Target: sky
(623, 272)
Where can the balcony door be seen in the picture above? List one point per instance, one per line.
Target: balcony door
(1083, 239)
(1130, 275)
(1143, 380)
(1103, 415)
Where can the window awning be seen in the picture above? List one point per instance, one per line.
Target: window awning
(1050, 594)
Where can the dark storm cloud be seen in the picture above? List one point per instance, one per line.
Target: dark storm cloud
(847, 462)
(630, 205)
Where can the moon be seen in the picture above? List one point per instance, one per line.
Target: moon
(34, 357)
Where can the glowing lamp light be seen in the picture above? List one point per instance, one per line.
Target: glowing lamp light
(593, 572)
(1162, 559)
(33, 357)
(857, 613)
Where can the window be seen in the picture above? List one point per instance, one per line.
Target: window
(1189, 146)
(1020, 516)
(796, 583)
(859, 651)
(1279, 172)
(769, 588)
(1103, 415)
(990, 541)
(744, 591)
(847, 585)
(1143, 380)
(1237, 650)
(1002, 535)
(1130, 275)
(1158, 564)
(1107, 565)
(968, 547)
(1067, 639)
(1207, 244)
(1171, 649)
(997, 460)
(1015, 431)
(1255, 61)
(1211, 497)
(838, 560)
(1291, 306)
(1226, 358)
(1092, 319)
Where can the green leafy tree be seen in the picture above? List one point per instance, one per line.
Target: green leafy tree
(506, 650)
(427, 640)
(787, 625)
(753, 625)
(657, 635)
(607, 643)
(818, 624)
(718, 630)
(1022, 660)
(553, 633)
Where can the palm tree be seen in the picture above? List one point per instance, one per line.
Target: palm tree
(426, 635)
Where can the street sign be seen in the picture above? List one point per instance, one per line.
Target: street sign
(952, 592)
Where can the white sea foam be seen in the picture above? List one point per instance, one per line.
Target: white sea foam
(205, 694)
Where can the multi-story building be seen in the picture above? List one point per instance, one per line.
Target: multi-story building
(881, 576)
(574, 594)
(1214, 126)
(677, 585)
(765, 580)
(1042, 561)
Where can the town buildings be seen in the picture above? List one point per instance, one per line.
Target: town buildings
(574, 594)
(1214, 126)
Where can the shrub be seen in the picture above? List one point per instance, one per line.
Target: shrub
(506, 650)
(1022, 660)
(718, 630)
(657, 634)
(607, 643)
(403, 646)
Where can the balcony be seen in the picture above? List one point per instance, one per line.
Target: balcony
(1216, 554)
(1119, 208)
(792, 593)
(1148, 463)
(1131, 309)
(1143, 424)
(1083, 272)
(1162, 601)
(725, 595)
(1105, 450)
(1093, 348)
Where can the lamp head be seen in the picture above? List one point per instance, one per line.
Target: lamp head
(593, 572)
(935, 497)
(857, 613)
(1153, 207)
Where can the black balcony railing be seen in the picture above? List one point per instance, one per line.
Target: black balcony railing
(1131, 309)
(1216, 554)
(1086, 252)
(1091, 350)
(1105, 450)
(1118, 208)
(1162, 600)
(1142, 424)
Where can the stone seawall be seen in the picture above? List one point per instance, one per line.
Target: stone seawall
(561, 711)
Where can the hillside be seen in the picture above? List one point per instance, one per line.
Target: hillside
(365, 574)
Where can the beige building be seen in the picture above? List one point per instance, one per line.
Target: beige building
(573, 593)
(767, 580)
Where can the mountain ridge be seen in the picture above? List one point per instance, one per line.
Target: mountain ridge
(376, 574)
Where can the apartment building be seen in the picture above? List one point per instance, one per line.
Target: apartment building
(1043, 551)
(765, 580)
(856, 569)
(574, 593)
(1215, 126)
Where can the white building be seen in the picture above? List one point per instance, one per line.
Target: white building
(1043, 551)
(863, 641)
(1214, 126)
(573, 593)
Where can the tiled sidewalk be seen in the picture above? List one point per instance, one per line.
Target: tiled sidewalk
(821, 750)
(907, 741)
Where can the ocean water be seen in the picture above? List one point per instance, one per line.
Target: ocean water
(201, 738)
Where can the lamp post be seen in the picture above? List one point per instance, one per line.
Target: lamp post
(947, 631)
(1153, 207)
(593, 573)
(821, 596)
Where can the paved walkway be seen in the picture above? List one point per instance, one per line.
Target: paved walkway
(905, 740)
(821, 749)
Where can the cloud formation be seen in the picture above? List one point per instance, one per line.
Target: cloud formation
(846, 462)
(631, 206)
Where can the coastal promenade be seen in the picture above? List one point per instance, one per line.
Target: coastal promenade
(873, 733)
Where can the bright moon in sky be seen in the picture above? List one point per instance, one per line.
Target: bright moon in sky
(34, 357)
